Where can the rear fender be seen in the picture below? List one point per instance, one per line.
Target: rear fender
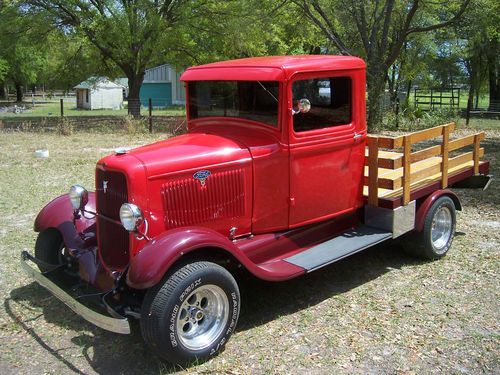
(58, 214)
(149, 266)
(424, 207)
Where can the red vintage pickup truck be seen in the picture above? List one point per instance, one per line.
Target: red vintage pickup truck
(276, 176)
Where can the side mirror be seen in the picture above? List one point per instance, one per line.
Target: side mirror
(303, 106)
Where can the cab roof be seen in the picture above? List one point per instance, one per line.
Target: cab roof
(270, 68)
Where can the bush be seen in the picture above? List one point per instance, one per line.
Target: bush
(65, 126)
(132, 125)
(412, 118)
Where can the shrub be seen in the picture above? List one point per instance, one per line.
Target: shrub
(412, 118)
(65, 126)
(132, 125)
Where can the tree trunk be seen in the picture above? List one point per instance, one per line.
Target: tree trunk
(376, 76)
(3, 94)
(134, 87)
(408, 91)
(19, 92)
(493, 77)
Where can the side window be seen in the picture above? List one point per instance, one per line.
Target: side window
(330, 103)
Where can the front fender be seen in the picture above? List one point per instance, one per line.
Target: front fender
(58, 214)
(152, 262)
(423, 207)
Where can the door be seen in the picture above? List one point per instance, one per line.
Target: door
(327, 146)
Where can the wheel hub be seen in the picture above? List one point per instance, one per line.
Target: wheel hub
(202, 317)
(441, 229)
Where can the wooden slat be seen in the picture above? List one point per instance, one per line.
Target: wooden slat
(426, 153)
(444, 164)
(387, 159)
(406, 168)
(464, 141)
(431, 132)
(373, 171)
(390, 142)
(397, 142)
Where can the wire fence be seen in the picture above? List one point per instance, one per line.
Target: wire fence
(154, 114)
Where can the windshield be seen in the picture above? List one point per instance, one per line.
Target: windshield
(251, 100)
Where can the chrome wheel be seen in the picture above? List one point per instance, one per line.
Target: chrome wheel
(441, 229)
(202, 317)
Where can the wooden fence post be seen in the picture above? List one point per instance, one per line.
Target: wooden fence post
(476, 153)
(406, 169)
(444, 163)
(373, 171)
(150, 119)
(62, 107)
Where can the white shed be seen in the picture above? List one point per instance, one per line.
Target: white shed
(99, 93)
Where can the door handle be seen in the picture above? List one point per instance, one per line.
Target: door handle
(357, 136)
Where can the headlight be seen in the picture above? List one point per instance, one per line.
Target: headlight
(130, 216)
(78, 196)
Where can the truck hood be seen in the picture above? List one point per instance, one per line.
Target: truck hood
(189, 152)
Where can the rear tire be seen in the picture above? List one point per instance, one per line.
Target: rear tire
(437, 235)
(191, 314)
(49, 248)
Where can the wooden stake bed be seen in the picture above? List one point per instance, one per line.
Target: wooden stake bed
(393, 170)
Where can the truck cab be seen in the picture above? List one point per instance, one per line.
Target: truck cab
(273, 176)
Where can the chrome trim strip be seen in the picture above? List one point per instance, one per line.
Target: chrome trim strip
(108, 323)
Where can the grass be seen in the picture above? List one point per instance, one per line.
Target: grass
(379, 311)
(52, 108)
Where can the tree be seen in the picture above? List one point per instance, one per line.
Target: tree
(23, 48)
(478, 40)
(4, 68)
(379, 31)
(130, 35)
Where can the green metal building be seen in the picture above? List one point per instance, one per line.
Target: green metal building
(162, 85)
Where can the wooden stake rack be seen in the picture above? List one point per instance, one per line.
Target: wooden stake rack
(392, 169)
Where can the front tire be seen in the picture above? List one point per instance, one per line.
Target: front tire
(438, 232)
(49, 248)
(191, 314)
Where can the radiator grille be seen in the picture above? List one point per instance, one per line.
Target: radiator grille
(187, 202)
(111, 189)
(113, 239)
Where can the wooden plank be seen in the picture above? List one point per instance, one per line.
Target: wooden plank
(476, 155)
(426, 153)
(373, 171)
(464, 141)
(444, 164)
(397, 142)
(387, 159)
(390, 142)
(406, 168)
(431, 133)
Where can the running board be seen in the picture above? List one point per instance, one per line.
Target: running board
(337, 248)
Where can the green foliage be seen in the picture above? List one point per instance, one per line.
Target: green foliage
(23, 51)
(412, 118)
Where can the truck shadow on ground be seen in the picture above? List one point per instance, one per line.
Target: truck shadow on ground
(262, 302)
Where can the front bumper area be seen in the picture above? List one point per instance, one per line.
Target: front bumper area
(117, 325)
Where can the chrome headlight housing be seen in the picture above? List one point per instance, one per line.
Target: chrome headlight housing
(131, 216)
(78, 196)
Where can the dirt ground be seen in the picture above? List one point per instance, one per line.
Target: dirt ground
(379, 311)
